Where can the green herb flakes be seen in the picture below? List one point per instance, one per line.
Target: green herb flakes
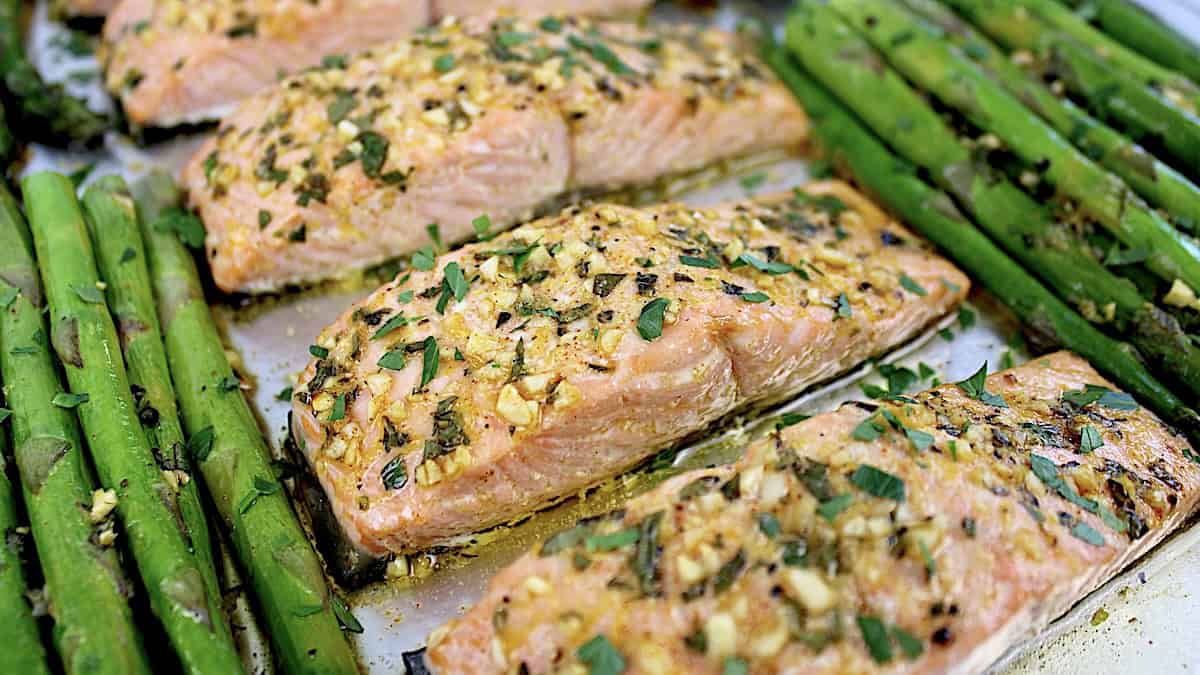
(89, 294)
(339, 408)
(1084, 532)
(830, 508)
(843, 308)
(601, 657)
(878, 483)
(768, 524)
(395, 473)
(650, 321)
(393, 360)
(912, 286)
(876, 636)
(200, 444)
(693, 261)
(612, 541)
(68, 400)
(1089, 439)
(975, 387)
(430, 358)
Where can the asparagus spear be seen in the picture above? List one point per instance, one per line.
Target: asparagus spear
(1140, 30)
(23, 652)
(932, 213)
(41, 111)
(935, 66)
(1118, 56)
(1023, 227)
(1160, 184)
(1143, 112)
(112, 221)
(300, 611)
(88, 594)
(86, 342)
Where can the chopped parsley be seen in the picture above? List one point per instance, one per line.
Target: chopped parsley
(830, 508)
(693, 261)
(755, 297)
(1089, 439)
(650, 321)
(423, 259)
(878, 483)
(430, 356)
(1106, 397)
(393, 360)
(912, 286)
(339, 408)
(89, 294)
(318, 351)
(975, 387)
(601, 657)
(876, 636)
(199, 444)
(843, 308)
(1084, 532)
(68, 400)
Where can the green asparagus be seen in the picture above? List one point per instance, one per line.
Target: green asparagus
(934, 215)
(86, 342)
(1148, 116)
(934, 65)
(1160, 184)
(38, 110)
(112, 221)
(23, 652)
(300, 612)
(1116, 55)
(88, 594)
(1138, 29)
(1024, 228)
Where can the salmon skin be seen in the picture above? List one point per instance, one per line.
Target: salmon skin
(347, 166)
(518, 371)
(86, 9)
(178, 61)
(919, 536)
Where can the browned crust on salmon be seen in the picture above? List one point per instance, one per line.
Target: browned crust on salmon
(550, 374)
(951, 546)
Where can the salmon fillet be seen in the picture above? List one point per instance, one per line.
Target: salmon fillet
(176, 61)
(341, 168)
(522, 370)
(920, 536)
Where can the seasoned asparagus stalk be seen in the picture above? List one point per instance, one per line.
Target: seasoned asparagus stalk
(23, 652)
(1119, 57)
(935, 66)
(1150, 117)
(38, 110)
(1138, 29)
(1027, 230)
(1160, 184)
(112, 221)
(933, 214)
(300, 612)
(86, 342)
(88, 594)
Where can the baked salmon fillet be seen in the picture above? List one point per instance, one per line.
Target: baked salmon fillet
(925, 535)
(522, 370)
(176, 61)
(346, 166)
